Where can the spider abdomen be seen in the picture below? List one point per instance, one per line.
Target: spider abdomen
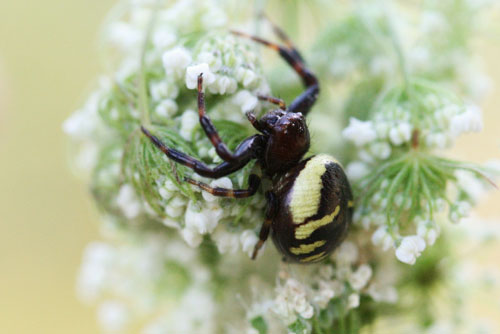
(314, 209)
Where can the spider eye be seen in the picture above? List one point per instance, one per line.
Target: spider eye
(273, 119)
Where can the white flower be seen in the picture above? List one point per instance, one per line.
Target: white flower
(359, 132)
(353, 301)
(189, 120)
(163, 38)
(401, 133)
(98, 259)
(357, 170)
(360, 277)
(83, 124)
(387, 294)
(246, 76)
(410, 248)
(347, 253)
(128, 202)
(192, 237)
(291, 299)
(192, 73)
(166, 108)
(246, 100)
(324, 295)
(470, 184)
(223, 85)
(113, 316)
(382, 238)
(176, 60)
(124, 35)
(248, 241)
(459, 211)
(470, 120)
(223, 182)
(213, 61)
(163, 90)
(176, 207)
(381, 150)
(439, 140)
(428, 231)
(204, 220)
(226, 242)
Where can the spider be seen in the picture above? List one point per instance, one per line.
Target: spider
(309, 205)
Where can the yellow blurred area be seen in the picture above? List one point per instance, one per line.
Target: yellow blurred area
(48, 57)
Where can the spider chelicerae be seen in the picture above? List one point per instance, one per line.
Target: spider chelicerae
(309, 205)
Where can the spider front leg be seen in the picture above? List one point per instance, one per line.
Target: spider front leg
(246, 151)
(304, 102)
(206, 123)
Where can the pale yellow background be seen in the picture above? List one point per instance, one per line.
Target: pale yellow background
(48, 59)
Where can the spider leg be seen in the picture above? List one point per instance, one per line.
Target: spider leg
(283, 37)
(206, 123)
(266, 226)
(253, 185)
(273, 100)
(246, 151)
(304, 101)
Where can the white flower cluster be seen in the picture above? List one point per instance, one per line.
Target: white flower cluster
(441, 122)
(133, 281)
(303, 293)
(291, 300)
(398, 125)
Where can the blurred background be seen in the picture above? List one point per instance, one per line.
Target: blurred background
(48, 61)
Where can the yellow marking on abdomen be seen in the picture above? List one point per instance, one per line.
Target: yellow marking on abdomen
(306, 249)
(306, 195)
(304, 231)
(350, 204)
(313, 257)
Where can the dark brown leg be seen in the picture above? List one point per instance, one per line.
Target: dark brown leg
(255, 122)
(209, 128)
(304, 101)
(266, 226)
(243, 154)
(253, 185)
(283, 37)
(273, 100)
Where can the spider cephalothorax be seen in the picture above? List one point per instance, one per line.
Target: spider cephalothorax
(309, 206)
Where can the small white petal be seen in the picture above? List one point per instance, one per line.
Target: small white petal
(246, 100)
(189, 120)
(192, 73)
(192, 237)
(359, 279)
(359, 132)
(357, 170)
(410, 249)
(400, 134)
(353, 301)
(128, 202)
(175, 61)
